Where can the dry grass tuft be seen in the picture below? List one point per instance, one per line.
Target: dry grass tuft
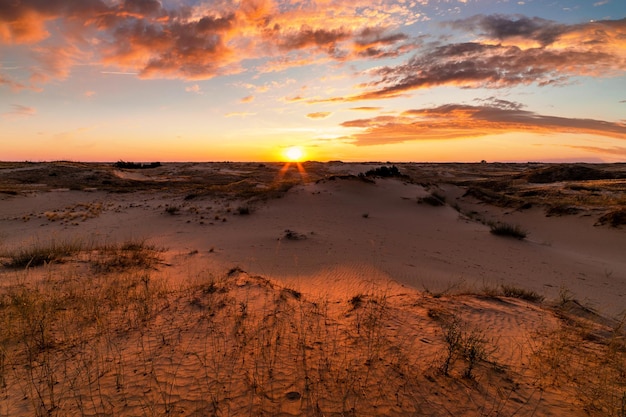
(508, 230)
(39, 253)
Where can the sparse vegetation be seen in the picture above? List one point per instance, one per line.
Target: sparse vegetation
(613, 218)
(127, 343)
(112, 329)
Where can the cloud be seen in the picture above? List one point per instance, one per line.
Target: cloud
(247, 99)
(515, 52)
(194, 89)
(202, 41)
(458, 121)
(319, 115)
(12, 84)
(19, 111)
(199, 41)
(366, 108)
(89, 93)
(615, 150)
(503, 27)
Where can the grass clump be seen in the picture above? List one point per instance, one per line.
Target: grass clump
(126, 255)
(508, 230)
(38, 254)
(521, 293)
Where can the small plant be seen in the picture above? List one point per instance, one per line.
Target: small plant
(452, 336)
(463, 342)
(508, 230)
(291, 235)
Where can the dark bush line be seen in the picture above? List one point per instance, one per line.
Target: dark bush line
(384, 172)
(134, 165)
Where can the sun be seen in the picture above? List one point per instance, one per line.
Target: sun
(294, 153)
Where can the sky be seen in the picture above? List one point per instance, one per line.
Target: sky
(381, 80)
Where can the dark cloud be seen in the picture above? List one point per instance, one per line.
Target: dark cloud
(503, 27)
(457, 121)
(377, 43)
(307, 37)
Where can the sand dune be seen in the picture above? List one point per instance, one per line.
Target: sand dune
(248, 289)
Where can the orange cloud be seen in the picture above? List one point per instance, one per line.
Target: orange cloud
(319, 115)
(12, 84)
(615, 150)
(199, 42)
(366, 108)
(456, 121)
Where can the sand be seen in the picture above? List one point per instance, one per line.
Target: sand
(266, 289)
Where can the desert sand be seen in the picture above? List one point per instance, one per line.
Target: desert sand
(312, 289)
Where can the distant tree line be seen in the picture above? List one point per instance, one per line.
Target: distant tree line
(134, 165)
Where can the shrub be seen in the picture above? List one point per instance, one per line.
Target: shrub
(243, 210)
(613, 218)
(172, 210)
(384, 172)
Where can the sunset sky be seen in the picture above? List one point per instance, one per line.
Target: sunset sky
(384, 80)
